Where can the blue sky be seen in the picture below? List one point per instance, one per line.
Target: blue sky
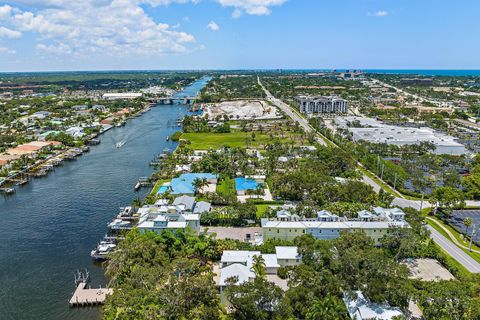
(238, 34)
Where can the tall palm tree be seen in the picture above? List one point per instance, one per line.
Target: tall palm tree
(199, 184)
(259, 267)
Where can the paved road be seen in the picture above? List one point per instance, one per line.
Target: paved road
(458, 254)
(401, 202)
(288, 111)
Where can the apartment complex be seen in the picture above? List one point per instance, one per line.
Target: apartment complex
(322, 104)
(327, 226)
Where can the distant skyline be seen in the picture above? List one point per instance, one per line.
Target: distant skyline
(63, 35)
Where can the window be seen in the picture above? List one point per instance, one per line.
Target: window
(278, 231)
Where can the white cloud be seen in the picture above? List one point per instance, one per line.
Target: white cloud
(252, 7)
(5, 11)
(381, 13)
(213, 26)
(6, 50)
(106, 27)
(9, 33)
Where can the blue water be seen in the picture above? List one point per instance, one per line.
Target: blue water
(50, 225)
(454, 73)
(422, 72)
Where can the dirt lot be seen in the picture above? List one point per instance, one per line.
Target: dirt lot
(242, 110)
(428, 270)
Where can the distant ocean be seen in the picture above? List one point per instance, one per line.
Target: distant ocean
(455, 73)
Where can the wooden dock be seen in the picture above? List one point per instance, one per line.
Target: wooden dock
(84, 296)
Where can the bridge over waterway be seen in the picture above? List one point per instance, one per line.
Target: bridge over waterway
(173, 100)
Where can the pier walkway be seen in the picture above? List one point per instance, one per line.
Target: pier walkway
(84, 296)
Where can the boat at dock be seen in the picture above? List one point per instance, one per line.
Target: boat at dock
(103, 249)
(7, 190)
(93, 141)
(142, 182)
(125, 219)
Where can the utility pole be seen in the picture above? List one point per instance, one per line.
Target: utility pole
(471, 237)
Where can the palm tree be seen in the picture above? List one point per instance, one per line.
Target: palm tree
(199, 184)
(467, 222)
(329, 307)
(259, 191)
(259, 267)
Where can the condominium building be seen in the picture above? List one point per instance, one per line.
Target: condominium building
(322, 104)
(327, 226)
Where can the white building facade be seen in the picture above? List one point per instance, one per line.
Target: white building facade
(322, 104)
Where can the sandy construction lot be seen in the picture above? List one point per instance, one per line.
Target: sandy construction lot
(428, 270)
(242, 110)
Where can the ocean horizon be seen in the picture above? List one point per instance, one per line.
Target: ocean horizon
(420, 72)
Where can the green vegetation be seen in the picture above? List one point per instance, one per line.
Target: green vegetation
(231, 86)
(437, 224)
(206, 141)
(226, 187)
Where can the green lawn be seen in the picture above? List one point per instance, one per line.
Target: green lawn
(210, 140)
(157, 186)
(226, 187)
(261, 208)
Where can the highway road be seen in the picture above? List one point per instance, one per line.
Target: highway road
(398, 201)
(458, 254)
(289, 112)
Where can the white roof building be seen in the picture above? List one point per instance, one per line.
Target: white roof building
(238, 263)
(374, 131)
(362, 309)
(122, 95)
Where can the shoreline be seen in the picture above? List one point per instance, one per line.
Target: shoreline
(69, 153)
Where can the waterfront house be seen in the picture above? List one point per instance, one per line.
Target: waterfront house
(187, 201)
(176, 216)
(184, 184)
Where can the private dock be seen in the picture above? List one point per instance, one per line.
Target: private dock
(142, 182)
(86, 296)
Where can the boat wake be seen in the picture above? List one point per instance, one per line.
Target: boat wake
(120, 144)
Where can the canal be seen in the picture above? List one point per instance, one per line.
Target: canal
(50, 225)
